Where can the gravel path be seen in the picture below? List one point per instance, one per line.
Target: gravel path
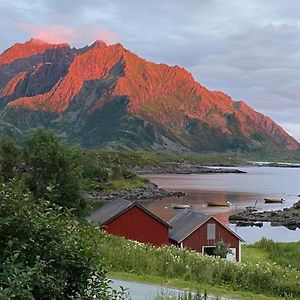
(144, 291)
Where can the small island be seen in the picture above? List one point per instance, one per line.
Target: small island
(288, 217)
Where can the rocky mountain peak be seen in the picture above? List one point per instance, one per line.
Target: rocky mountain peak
(114, 97)
(28, 49)
(98, 44)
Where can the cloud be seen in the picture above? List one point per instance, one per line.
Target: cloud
(49, 33)
(63, 34)
(105, 35)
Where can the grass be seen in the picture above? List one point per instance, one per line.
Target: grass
(126, 184)
(252, 254)
(144, 159)
(283, 254)
(193, 269)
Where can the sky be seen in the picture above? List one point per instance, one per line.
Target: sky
(248, 49)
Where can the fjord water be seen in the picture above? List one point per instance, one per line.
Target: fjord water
(241, 190)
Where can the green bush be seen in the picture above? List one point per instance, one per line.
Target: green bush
(222, 249)
(51, 163)
(44, 254)
(93, 170)
(10, 159)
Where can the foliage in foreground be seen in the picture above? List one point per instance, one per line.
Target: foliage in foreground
(43, 254)
(173, 262)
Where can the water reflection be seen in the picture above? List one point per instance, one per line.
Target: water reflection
(163, 207)
(278, 234)
(240, 189)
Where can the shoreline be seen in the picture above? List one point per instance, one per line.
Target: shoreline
(150, 191)
(185, 168)
(287, 217)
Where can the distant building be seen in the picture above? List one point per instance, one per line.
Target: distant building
(199, 232)
(132, 221)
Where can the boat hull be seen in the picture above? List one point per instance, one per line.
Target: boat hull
(219, 204)
(181, 206)
(270, 201)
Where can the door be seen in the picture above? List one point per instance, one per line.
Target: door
(231, 256)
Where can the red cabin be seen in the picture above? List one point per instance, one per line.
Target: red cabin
(199, 232)
(132, 221)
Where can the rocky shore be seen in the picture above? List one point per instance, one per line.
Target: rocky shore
(184, 168)
(151, 191)
(288, 217)
(148, 192)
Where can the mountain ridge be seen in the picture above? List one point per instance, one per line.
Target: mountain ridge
(69, 89)
(27, 49)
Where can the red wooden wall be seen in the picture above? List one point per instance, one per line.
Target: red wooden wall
(135, 224)
(199, 238)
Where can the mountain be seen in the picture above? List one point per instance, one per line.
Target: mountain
(106, 96)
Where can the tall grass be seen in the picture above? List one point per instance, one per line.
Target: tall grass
(171, 262)
(284, 254)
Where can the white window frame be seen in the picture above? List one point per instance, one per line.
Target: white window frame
(203, 247)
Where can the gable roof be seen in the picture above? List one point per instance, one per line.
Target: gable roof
(184, 223)
(226, 227)
(115, 208)
(108, 211)
(187, 222)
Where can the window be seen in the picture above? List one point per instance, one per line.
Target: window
(211, 231)
(208, 250)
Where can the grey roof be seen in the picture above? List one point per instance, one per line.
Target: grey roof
(115, 208)
(109, 211)
(184, 223)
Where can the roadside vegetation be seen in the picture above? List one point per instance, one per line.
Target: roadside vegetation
(169, 262)
(46, 248)
(45, 254)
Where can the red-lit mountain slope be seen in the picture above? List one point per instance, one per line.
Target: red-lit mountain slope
(106, 96)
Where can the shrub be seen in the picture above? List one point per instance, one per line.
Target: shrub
(43, 255)
(52, 163)
(10, 159)
(222, 249)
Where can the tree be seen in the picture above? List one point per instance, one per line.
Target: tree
(53, 164)
(222, 249)
(42, 255)
(10, 159)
